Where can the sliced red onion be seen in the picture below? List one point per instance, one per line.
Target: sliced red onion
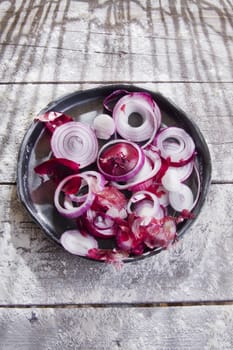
(75, 141)
(57, 168)
(145, 204)
(109, 198)
(182, 199)
(99, 224)
(175, 145)
(68, 209)
(139, 104)
(161, 193)
(171, 181)
(160, 234)
(111, 99)
(54, 119)
(78, 243)
(198, 186)
(96, 183)
(104, 126)
(112, 256)
(144, 178)
(183, 172)
(120, 160)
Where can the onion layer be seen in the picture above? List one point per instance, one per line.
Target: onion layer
(120, 160)
(78, 243)
(70, 209)
(143, 106)
(175, 145)
(75, 141)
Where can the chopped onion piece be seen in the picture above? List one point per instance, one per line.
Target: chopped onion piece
(171, 181)
(183, 199)
(78, 243)
(104, 126)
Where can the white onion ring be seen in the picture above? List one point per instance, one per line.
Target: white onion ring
(178, 153)
(149, 111)
(75, 141)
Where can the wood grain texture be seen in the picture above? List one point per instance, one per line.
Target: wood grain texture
(199, 267)
(118, 328)
(50, 299)
(210, 106)
(97, 41)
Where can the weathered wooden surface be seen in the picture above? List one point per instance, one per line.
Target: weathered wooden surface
(92, 40)
(183, 49)
(176, 328)
(199, 267)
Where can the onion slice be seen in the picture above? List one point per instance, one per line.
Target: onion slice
(68, 209)
(75, 141)
(78, 243)
(120, 160)
(99, 224)
(144, 178)
(175, 145)
(145, 204)
(182, 199)
(132, 105)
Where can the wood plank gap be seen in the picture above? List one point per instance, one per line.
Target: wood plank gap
(216, 182)
(10, 183)
(119, 305)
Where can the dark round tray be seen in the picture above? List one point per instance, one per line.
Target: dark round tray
(35, 149)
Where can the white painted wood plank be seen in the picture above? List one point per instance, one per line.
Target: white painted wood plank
(210, 106)
(33, 270)
(116, 41)
(164, 328)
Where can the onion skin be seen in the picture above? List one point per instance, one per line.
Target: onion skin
(57, 168)
(54, 119)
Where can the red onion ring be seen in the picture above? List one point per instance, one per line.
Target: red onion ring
(145, 106)
(146, 204)
(68, 209)
(99, 224)
(144, 178)
(175, 145)
(120, 160)
(75, 141)
(96, 183)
